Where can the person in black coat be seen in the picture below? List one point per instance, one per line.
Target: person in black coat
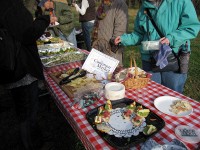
(23, 82)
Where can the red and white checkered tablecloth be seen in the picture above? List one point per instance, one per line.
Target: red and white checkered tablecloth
(146, 96)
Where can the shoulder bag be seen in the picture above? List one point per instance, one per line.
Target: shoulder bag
(173, 61)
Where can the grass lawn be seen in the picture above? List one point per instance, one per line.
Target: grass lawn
(192, 87)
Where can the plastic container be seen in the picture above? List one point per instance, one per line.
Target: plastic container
(58, 59)
(188, 134)
(114, 91)
(151, 45)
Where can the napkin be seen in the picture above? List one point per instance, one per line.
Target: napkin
(161, 55)
(173, 145)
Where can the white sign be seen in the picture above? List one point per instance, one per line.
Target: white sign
(99, 63)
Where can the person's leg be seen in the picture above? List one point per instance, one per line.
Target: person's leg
(72, 38)
(26, 103)
(156, 76)
(174, 81)
(87, 27)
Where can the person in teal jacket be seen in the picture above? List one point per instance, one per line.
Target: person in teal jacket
(177, 20)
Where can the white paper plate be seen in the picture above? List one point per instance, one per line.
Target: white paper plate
(56, 24)
(188, 134)
(163, 104)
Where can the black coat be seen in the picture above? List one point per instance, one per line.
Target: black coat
(19, 22)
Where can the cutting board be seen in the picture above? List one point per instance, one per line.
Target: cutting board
(69, 90)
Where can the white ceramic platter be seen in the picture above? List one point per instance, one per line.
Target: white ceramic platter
(163, 104)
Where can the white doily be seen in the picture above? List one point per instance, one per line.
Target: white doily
(121, 127)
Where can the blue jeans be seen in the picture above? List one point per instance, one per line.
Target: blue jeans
(87, 28)
(172, 80)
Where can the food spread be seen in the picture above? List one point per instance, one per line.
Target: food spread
(134, 115)
(149, 129)
(129, 72)
(180, 106)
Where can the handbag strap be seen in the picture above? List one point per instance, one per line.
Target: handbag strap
(153, 22)
(156, 27)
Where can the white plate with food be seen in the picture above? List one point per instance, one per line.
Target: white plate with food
(53, 25)
(173, 106)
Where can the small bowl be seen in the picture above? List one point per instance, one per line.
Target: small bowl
(151, 45)
(114, 91)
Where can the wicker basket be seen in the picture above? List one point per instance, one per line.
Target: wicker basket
(135, 82)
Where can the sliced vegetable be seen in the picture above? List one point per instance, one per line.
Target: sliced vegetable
(149, 129)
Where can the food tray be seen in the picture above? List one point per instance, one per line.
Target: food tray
(71, 90)
(122, 142)
(48, 39)
(54, 46)
(56, 51)
(59, 59)
(67, 89)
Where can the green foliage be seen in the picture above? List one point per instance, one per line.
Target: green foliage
(192, 86)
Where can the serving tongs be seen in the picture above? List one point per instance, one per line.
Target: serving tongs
(76, 70)
(79, 75)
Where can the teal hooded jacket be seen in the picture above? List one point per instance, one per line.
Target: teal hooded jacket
(176, 19)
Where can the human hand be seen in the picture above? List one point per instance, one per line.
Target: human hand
(53, 19)
(48, 4)
(117, 40)
(73, 4)
(164, 40)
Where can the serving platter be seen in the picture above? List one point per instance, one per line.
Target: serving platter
(124, 142)
(76, 86)
(59, 59)
(67, 89)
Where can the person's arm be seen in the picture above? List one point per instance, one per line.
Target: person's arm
(20, 24)
(84, 6)
(36, 29)
(189, 26)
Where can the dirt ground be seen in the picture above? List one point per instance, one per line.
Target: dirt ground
(57, 133)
